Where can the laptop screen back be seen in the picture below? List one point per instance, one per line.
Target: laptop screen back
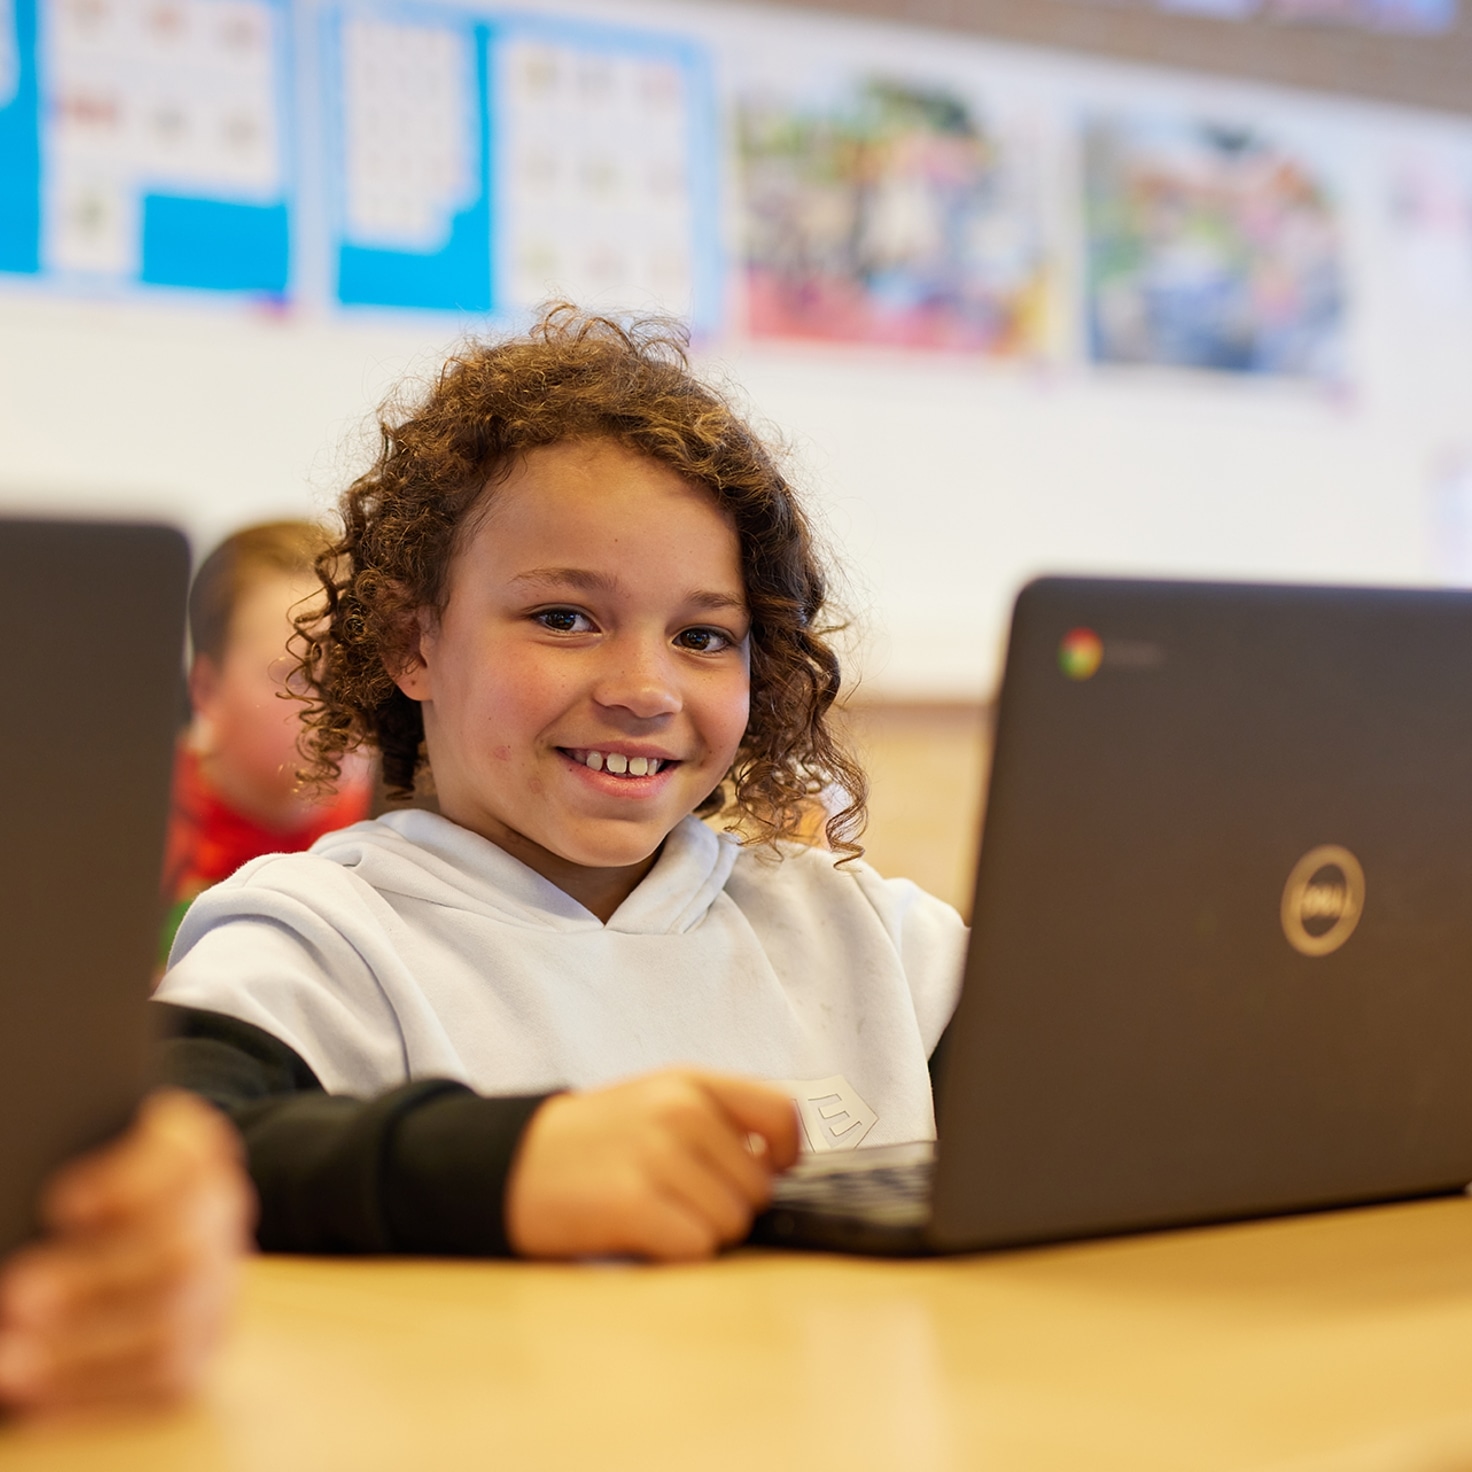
(93, 619)
(1222, 957)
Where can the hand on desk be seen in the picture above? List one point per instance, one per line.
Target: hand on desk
(124, 1297)
(661, 1167)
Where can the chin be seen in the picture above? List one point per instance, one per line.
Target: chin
(622, 852)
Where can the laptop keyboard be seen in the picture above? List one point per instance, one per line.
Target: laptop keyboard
(892, 1194)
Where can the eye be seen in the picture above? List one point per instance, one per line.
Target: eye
(704, 641)
(563, 620)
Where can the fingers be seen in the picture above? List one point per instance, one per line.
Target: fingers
(761, 1110)
(706, 1170)
(175, 1143)
(661, 1167)
(130, 1287)
(145, 1345)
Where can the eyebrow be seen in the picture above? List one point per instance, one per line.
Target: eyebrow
(598, 582)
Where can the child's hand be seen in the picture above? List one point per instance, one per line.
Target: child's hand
(123, 1298)
(661, 1167)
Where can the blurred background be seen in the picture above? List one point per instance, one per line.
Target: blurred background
(1177, 287)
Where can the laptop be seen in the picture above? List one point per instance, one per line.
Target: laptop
(1221, 957)
(94, 621)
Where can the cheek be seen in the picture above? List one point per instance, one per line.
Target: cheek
(524, 692)
(727, 712)
(256, 711)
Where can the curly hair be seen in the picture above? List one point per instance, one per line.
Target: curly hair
(576, 377)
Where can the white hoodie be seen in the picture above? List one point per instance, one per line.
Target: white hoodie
(409, 947)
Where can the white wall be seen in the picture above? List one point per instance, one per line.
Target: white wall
(943, 481)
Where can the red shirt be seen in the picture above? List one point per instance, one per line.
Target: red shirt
(208, 840)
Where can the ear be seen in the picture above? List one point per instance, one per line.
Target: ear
(204, 685)
(204, 699)
(415, 676)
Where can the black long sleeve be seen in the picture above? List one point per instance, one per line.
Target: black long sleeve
(420, 1169)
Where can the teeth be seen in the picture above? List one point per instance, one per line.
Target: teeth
(633, 766)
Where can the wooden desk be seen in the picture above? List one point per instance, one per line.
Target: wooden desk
(1338, 1343)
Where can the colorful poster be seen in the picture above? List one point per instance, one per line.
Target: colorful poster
(162, 150)
(1211, 246)
(407, 104)
(605, 170)
(889, 212)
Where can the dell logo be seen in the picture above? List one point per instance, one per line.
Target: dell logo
(1323, 900)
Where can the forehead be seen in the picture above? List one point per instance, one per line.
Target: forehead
(596, 503)
(270, 597)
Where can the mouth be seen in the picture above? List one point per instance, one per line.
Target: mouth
(618, 763)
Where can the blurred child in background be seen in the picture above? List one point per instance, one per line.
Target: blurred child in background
(236, 793)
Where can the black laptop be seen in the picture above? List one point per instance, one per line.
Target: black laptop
(1221, 963)
(93, 618)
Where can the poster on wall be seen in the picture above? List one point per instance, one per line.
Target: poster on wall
(1211, 246)
(883, 211)
(9, 54)
(145, 144)
(1430, 216)
(489, 164)
(1449, 523)
(1415, 17)
(606, 168)
(411, 216)
(20, 140)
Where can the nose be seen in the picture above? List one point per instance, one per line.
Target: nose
(638, 676)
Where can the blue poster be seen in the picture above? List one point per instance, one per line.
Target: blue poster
(147, 145)
(20, 141)
(411, 159)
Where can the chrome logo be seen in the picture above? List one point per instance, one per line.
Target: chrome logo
(1323, 900)
(1080, 654)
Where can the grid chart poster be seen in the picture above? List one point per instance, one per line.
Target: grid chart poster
(884, 211)
(1211, 246)
(488, 165)
(144, 143)
(413, 212)
(607, 164)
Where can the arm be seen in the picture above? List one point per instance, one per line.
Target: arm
(419, 1169)
(659, 1167)
(124, 1296)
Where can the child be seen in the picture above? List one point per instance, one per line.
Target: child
(236, 793)
(576, 583)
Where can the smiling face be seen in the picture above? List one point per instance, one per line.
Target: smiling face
(587, 684)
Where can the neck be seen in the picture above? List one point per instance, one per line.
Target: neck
(599, 890)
